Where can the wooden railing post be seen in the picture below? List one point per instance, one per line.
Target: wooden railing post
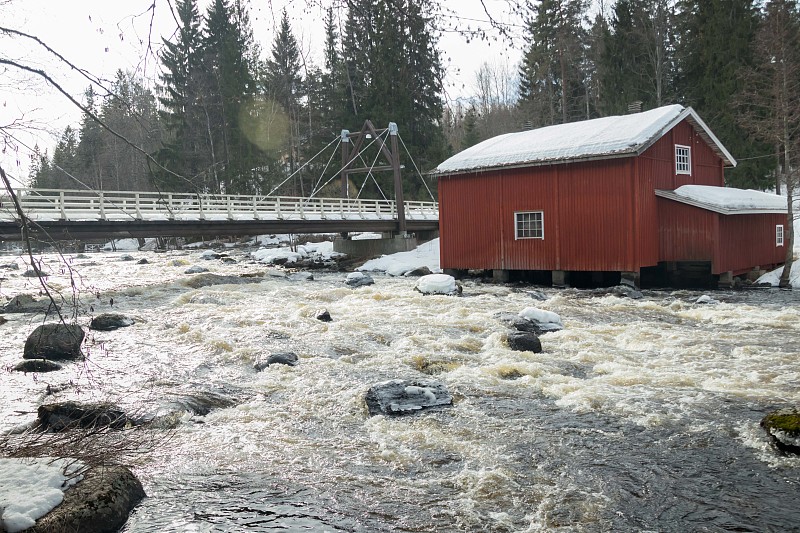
(101, 197)
(61, 205)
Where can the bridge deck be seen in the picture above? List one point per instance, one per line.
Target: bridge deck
(71, 214)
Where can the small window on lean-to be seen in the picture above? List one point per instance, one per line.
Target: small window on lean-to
(683, 159)
(779, 235)
(529, 225)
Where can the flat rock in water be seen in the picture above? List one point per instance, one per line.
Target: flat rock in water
(55, 342)
(99, 503)
(34, 274)
(71, 415)
(142, 261)
(110, 321)
(523, 341)
(195, 270)
(25, 303)
(126, 257)
(280, 358)
(207, 279)
(359, 279)
(36, 365)
(400, 397)
(783, 428)
(301, 276)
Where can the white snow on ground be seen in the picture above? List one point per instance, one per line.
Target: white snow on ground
(773, 278)
(322, 251)
(730, 198)
(31, 488)
(365, 236)
(589, 138)
(426, 254)
(437, 284)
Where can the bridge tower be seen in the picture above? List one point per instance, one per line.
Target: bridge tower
(352, 146)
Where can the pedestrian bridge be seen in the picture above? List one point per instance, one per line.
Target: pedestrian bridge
(86, 214)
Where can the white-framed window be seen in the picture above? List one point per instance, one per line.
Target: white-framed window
(529, 225)
(779, 235)
(683, 159)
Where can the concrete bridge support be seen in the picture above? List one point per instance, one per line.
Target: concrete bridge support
(374, 247)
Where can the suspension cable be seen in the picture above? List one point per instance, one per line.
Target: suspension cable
(304, 165)
(416, 167)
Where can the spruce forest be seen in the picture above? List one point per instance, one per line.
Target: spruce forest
(231, 115)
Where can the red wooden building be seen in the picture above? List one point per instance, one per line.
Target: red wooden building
(602, 199)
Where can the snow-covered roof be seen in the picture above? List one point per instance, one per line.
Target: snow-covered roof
(727, 200)
(601, 138)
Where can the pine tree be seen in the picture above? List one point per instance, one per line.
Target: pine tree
(285, 84)
(716, 44)
(770, 99)
(88, 169)
(228, 100)
(552, 76)
(637, 60)
(185, 151)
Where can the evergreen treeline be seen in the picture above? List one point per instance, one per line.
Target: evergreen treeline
(229, 118)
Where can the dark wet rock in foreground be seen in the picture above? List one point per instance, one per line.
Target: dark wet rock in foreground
(400, 397)
(56, 341)
(36, 365)
(99, 503)
(64, 416)
(783, 428)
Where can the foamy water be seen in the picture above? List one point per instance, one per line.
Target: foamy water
(639, 415)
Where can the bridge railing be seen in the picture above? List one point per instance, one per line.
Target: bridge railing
(57, 204)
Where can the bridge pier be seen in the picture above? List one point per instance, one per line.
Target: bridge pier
(374, 247)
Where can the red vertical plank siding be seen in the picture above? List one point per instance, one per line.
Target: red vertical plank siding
(706, 165)
(469, 211)
(730, 242)
(686, 233)
(746, 241)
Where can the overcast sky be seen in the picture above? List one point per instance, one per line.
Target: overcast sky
(101, 36)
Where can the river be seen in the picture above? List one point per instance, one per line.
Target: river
(640, 415)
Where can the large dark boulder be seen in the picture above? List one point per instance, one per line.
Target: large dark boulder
(110, 321)
(64, 416)
(400, 397)
(514, 321)
(54, 341)
(323, 315)
(783, 428)
(99, 503)
(523, 341)
(36, 365)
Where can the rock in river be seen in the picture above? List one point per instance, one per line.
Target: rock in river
(523, 341)
(280, 358)
(54, 341)
(783, 428)
(399, 397)
(99, 503)
(110, 321)
(36, 365)
(71, 415)
(359, 279)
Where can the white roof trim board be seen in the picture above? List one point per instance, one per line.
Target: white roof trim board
(727, 200)
(600, 138)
